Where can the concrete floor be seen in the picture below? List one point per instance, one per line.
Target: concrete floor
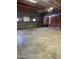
(39, 43)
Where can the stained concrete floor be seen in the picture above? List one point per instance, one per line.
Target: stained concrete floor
(39, 43)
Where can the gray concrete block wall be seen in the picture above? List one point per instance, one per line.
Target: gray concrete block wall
(21, 24)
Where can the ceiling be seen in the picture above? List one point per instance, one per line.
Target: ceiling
(25, 5)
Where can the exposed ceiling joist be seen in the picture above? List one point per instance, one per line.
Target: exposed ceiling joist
(40, 5)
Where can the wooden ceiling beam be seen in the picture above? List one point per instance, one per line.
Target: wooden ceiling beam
(27, 8)
(26, 4)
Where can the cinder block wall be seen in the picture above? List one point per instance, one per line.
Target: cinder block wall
(24, 25)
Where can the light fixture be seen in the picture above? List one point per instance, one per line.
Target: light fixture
(34, 20)
(50, 9)
(17, 19)
(33, 1)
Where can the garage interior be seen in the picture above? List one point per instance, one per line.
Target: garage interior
(38, 29)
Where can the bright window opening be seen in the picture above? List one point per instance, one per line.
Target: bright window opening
(26, 19)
